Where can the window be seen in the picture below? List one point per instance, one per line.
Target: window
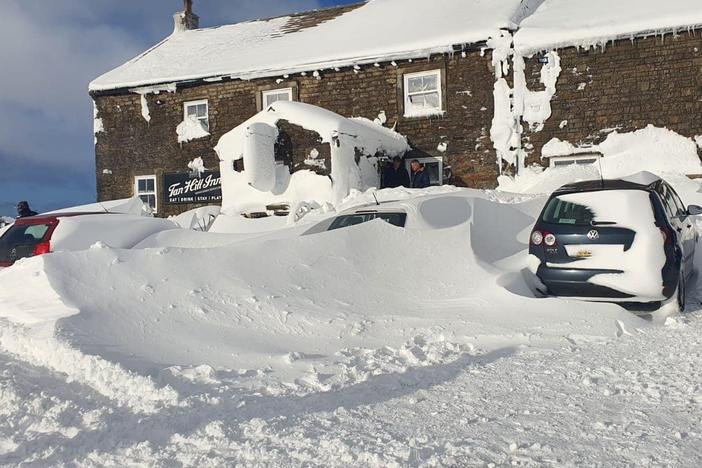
(433, 166)
(275, 95)
(582, 159)
(559, 211)
(145, 188)
(423, 95)
(199, 111)
(396, 219)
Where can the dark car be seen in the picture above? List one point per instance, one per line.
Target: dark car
(630, 241)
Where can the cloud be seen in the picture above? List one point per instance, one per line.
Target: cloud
(52, 50)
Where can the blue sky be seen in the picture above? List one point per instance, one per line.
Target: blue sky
(51, 51)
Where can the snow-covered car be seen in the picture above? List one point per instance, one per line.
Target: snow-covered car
(38, 235)
(628, 240)
(430, 212)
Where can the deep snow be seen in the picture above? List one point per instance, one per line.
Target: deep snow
(371, 345)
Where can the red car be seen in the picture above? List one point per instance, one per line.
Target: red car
(38, 235)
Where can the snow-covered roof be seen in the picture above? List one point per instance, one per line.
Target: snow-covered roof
(589, 23)
(379, 30)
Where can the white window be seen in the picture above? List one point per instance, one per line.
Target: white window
(580, 159)
(275, 95)
(199, 111)
(423, 95)
(433, 166)
(145, 188)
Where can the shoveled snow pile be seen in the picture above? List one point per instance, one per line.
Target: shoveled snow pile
(595, 23)
(656, 150)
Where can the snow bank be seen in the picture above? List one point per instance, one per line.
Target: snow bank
(304, 307)
(265, 48)
(263, 182)
(652, 149)
(132, 206)
(114, 230)
(593, 23)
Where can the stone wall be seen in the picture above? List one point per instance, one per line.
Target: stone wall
(131, 146)
(627, 86)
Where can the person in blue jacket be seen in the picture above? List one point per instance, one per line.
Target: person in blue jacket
(419, 177)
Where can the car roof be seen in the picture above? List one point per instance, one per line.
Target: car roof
(44, 218)
(606, 184)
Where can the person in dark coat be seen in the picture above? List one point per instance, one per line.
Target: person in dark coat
(23, 210)
(420, 177)
(396, 174)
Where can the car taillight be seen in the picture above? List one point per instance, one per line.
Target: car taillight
(42, 248)
(549, 239)
(537, 238)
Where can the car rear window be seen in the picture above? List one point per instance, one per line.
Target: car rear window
(577, 208)
(559, 211)
(24, 235)
(396, 219)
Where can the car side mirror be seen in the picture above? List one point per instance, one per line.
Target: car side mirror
(694, 210)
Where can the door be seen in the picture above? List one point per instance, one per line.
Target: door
(688, 233)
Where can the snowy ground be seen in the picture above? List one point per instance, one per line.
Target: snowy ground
(369, 346)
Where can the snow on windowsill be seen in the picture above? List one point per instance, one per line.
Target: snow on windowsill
(191, 129)
(420, 113)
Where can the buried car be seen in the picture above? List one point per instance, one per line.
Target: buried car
(428, 212)
(628, 240)
(42, 234)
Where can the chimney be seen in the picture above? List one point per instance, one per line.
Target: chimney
(186, 19)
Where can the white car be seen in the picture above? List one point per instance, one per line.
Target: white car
(430, 212)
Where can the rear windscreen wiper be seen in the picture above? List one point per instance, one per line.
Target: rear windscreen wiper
(602, 223)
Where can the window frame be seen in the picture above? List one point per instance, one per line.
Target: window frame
(267, 92)
(568, 160)
(138, 193)
(424, 161)
(198, 102)
(438, 72)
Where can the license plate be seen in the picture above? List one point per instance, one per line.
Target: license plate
(583, 254)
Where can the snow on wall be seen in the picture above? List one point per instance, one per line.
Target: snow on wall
(593, 23)
(146, 90)
(535, 106)
(512, 105)
(505, 131)
(98, 126)
(190, 129)
(348, 138)
(376, 31)
(197, 165)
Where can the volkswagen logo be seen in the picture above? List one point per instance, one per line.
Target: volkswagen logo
(593, 235)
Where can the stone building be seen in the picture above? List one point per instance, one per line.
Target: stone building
(428, 70)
